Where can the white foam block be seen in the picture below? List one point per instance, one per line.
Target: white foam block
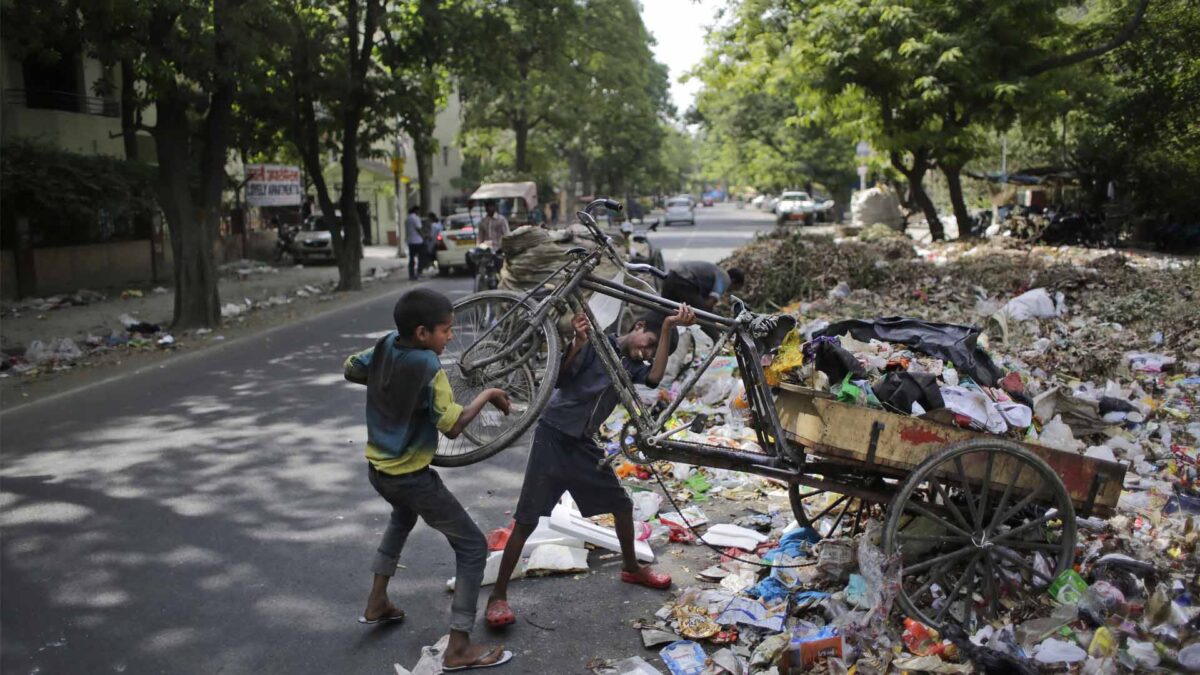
(566, 520)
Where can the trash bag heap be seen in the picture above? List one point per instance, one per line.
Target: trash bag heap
(1053, 365)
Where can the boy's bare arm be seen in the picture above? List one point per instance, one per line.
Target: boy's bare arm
(684, 317)
(497, 397)
(581, 325)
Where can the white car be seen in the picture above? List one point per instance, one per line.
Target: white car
(795, 207)
(457, 240)
(680, 210)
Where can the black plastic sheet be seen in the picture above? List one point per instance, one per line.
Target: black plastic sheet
(945, 341)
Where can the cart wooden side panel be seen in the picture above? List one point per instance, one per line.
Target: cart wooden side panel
(865, 436)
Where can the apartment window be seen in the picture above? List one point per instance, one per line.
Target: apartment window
(58, 85)
(445, 155)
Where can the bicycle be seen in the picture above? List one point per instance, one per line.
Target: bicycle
(513, 341)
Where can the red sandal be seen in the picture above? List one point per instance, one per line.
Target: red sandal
(646, 576)
(499, 614)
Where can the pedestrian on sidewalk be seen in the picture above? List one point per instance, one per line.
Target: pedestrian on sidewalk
(416, 243)
(409, 401)
(435, 231)
(564, 455)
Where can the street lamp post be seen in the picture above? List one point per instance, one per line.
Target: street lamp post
(397, 166)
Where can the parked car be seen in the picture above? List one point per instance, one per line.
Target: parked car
(680, 210)
(456, 241)
(314, 241)
(707, 201)
(795, 207)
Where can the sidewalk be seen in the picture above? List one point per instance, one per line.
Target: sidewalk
(43, 338)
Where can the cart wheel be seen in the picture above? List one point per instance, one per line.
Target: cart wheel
(981, 522)
(832, 514)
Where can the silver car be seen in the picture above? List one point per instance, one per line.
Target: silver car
(314, 241)
(680, 210)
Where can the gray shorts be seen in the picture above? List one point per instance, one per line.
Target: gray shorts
(560, 463)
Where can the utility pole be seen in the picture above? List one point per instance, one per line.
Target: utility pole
(397, 166)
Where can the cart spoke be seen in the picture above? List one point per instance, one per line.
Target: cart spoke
(857, 517)
(1020, 506)
(953, 555)
(921, 509)
(989, 587)
(984, 490)
(1013, 557)
(833, 528)
(937, 485)
(1004, 497)
(829, 508)
(1007, 536)
(1033, 545)
(966, 491)
(941, 539)
(967, 573)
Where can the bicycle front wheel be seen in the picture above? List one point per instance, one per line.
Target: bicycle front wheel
(527, 373)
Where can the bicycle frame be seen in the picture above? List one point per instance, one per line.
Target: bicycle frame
(780, 460)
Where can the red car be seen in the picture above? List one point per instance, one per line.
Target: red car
(707, 201)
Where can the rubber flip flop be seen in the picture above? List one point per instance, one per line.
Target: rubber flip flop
(505, 657)
(388, 618)
(647, 577)
(499, 614)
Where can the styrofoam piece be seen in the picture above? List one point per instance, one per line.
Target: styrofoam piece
(726, 534)
(492, 570)
(565, 519)
(545, 535)
(557, 558)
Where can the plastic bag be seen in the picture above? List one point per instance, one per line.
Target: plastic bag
(1059, 651)
(645, 505)
(683, 658)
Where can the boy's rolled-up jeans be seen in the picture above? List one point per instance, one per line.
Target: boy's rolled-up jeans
(423, 494)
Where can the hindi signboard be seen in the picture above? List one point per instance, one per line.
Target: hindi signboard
(273, 185)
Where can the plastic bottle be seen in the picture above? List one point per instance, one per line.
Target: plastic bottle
(920, 639)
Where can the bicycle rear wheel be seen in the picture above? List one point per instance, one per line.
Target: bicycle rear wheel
(528, 375)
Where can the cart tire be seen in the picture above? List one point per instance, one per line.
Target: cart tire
(529, 381)
(976, 537)
(850, 514)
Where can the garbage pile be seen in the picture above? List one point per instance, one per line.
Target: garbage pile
(80, 298)
(1047, 364)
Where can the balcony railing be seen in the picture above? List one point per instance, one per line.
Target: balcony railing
(44, 99)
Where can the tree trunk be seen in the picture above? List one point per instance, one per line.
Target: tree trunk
(424, 149)
(129, 116)
(953, 175)
(197, 301)
(347, 239)
(916, 186)
(521, 130)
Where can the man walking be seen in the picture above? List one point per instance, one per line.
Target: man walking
(416, 243)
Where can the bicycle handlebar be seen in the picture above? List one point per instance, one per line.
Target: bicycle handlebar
(638, 268)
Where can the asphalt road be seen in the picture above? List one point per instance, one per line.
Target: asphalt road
(212, 515)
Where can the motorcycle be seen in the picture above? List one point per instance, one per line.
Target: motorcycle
(486, 263)
(285, 243)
